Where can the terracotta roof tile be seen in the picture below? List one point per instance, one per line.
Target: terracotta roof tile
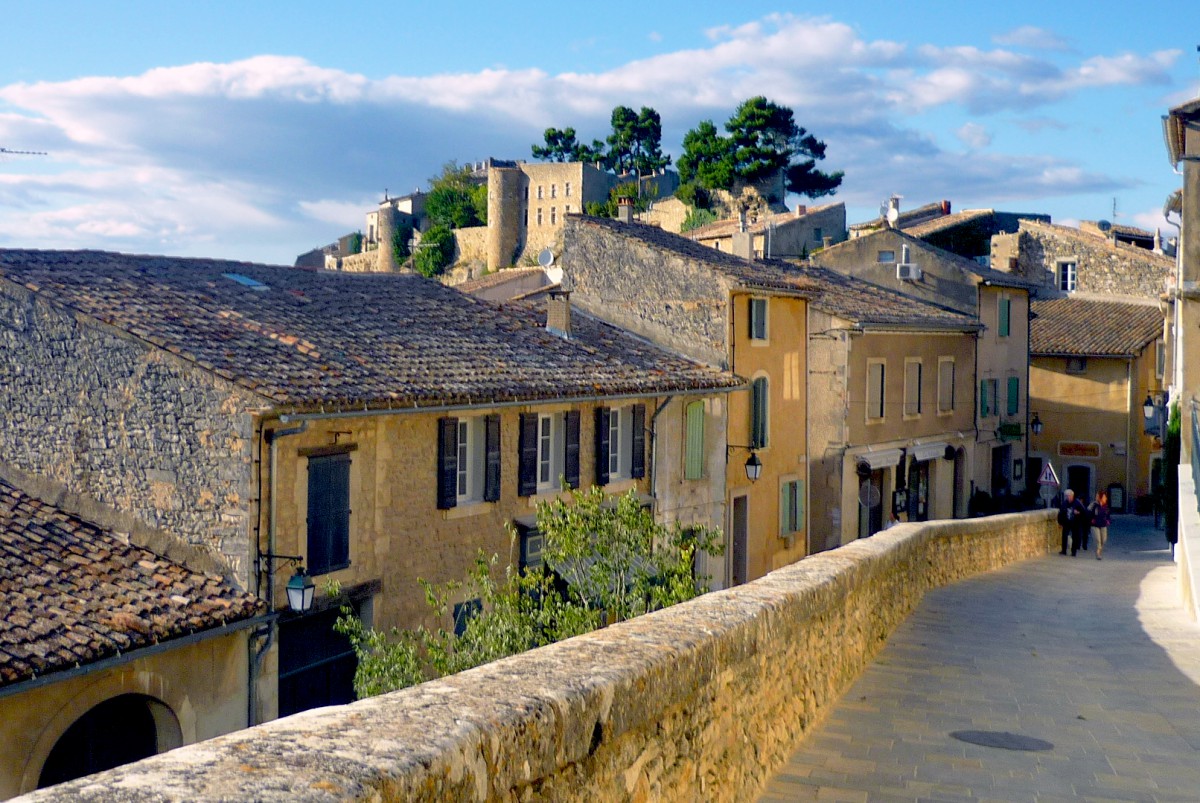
(925, 228)
(306, 339)
(73, 593)
(1087, 328)
(729, 226)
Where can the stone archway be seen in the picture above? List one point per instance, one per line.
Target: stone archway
(119, 730)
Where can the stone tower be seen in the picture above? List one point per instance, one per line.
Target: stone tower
(386, 257)
(506, 204)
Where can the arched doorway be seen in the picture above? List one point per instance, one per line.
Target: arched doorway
(1079, 480)
(115, 732)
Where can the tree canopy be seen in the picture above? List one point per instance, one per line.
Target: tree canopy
(455, 200)
(604, 563)
(762, 139)
(634, 144)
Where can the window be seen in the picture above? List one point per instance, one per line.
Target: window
(526, 212)
(791, 507)
(553, 215)
(818, 234)
(548, 451)
(758, 319)
(567, 209)
(539, 192)
(693, 447)
(468, 460)
(1160, 359)
(1005, 317)
(989, 397)
(1013, 399)
(1076, 365)
(567, 191)
(885, 256)
(553, 190)
(539, 216)
(945, 384)
(875, 390)
(620, 443)
(1068, 275)
(912, 387)
(328, 512)
(759, 421)
(464, 612)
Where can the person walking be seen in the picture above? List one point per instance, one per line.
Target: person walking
(1101, 516)
(1072, 517)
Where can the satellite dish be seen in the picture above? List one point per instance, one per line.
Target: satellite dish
(868, 495)
(893, 214)
(546, 258)
(1103, 225)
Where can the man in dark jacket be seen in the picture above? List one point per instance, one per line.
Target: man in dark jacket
(1073, 518)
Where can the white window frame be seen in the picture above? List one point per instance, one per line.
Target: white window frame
(551, 450)
(885, 257)
(471, 455)
(553, 190)
(878, 399)
(554, 216)
(758, 310)
(1066, 275)
(539, 216)
(539, 192)
(943, 391)
(791, 521)
(567, 190)
(620, 443)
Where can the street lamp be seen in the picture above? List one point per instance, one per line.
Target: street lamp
(753, 467)
(300, 591)
(1148, 407)
(1035, 425)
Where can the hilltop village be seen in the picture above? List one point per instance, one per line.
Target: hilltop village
(206, 463)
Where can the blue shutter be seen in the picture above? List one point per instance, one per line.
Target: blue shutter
(528, 448)
(447, 482)
(328, 513)
(637, 460)
(602, 446)
(571, 449)
(491, 477)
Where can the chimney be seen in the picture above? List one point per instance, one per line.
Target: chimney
(625, 210)
(801, 210)
(1158, 249)
(743, 245)
(742, 219)
(558, 312)
(945, 207)
(826, 241)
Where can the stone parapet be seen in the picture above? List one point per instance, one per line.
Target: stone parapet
(698, 702)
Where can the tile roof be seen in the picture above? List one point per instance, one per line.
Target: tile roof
(1088, 328)
(910, 218)
(729, 226)
(868, 305)
(1091, 238)
(762, 274)
(73, 593)
(330, 340)
(925, 228)
(852, 299)
(497, 278)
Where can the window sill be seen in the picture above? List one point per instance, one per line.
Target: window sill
(466, 510)
(547, 495)
(620, 486)
(945, 413)
(911, 417)
(327, 569)
(874, 421)
(759, 343)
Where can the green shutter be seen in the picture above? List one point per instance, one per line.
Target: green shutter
(1005, 315)
(791, 507)
(693, 467)
(1014, 395)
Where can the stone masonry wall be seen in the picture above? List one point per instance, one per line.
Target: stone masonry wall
(702, 701)
(126, 434)
(1103, 267)
(658, 294)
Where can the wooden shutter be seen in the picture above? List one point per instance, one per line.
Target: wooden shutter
(1005, 316)
(602, 446)
(1014, 395)
(693, 460)
(758, 413)
(983, 398)
(491, 477)
(637, 460)
(528, 448)
(447, 488)
(328, 513)
(571, 448)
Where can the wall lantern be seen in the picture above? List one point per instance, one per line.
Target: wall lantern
(1035, 425)
(754, 466)
(300, 591)
(1148, 408)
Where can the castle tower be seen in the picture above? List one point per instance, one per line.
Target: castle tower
(386, 257)
(506, 204)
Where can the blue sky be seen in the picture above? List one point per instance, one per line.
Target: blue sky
(259, 130)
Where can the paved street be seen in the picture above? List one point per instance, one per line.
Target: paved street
(1091, 656)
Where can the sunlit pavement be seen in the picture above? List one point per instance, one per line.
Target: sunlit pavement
(1097, 658)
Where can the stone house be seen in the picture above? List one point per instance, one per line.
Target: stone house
(1093, 365)
(999, 302)
(784, 235)
(723, 311)
(379, 428)
(1181, 129)
(967, 233)
(110, 653)
(1061, 260)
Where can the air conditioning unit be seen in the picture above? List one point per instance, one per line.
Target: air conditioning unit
(908, 272)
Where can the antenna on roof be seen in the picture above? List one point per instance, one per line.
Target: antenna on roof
(6, 152)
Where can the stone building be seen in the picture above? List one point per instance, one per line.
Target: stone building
(1062, 260)
(999, 302)
(380, 428)
(1093, 365)
(110, 653)
(784, 235)
(967, 233)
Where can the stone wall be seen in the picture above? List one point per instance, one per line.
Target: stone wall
(702, 701)
(100, 423)
(1104, 267)
(365, 262)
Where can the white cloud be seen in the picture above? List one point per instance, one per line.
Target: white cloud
(268, 156)
(654, 36)
(1031, 37)
(974, 136)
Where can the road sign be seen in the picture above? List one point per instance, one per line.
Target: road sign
(1048, 477)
